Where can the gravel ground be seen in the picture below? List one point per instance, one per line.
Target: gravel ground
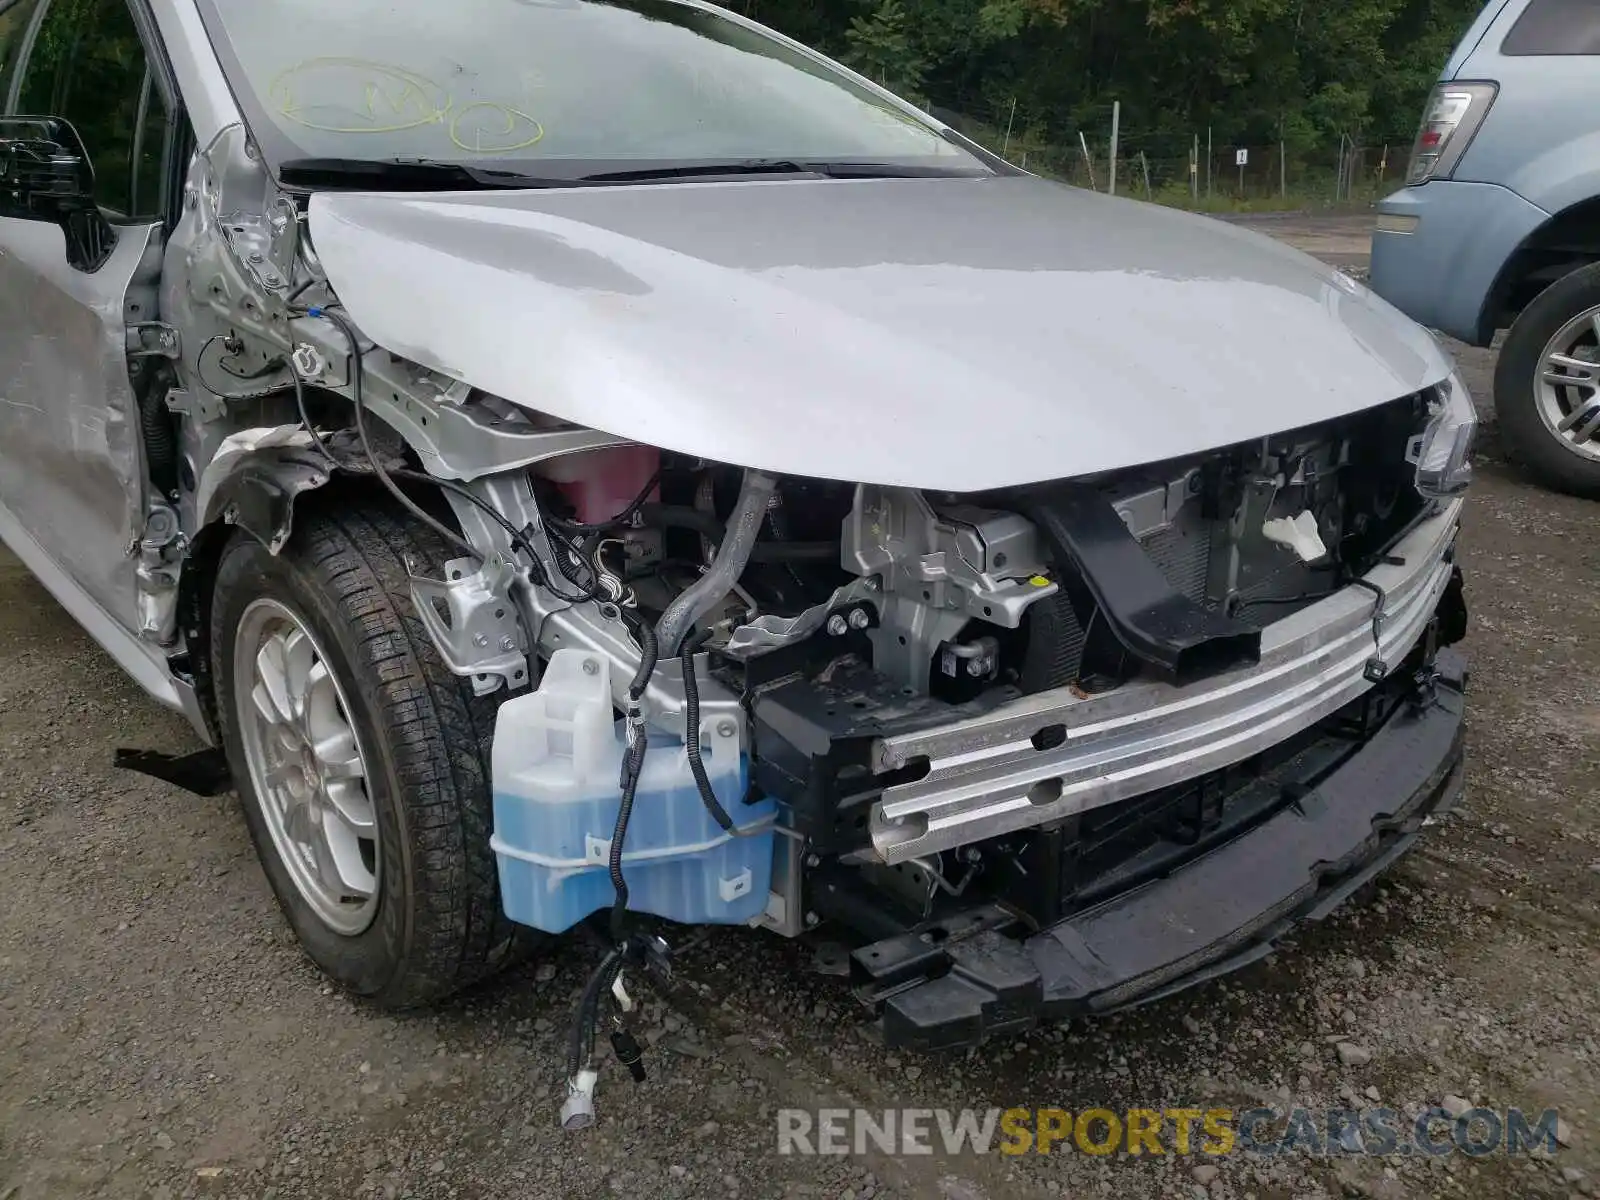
(161, 1035)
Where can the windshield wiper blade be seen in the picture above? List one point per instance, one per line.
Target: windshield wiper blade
(402, 173)
(850, 169)
(747, 166)
(834, 169)
(430, 174)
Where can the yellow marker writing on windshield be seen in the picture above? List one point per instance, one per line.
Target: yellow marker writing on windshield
(482, 127)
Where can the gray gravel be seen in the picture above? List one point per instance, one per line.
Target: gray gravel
(161, 1035)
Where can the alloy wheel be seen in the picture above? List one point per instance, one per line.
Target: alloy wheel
(306, 765)
(1567, 390)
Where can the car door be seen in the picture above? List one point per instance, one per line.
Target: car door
(72, 476)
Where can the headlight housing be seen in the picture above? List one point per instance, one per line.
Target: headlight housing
(1442, 452)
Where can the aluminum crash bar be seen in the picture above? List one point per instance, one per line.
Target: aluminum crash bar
(1057, 753)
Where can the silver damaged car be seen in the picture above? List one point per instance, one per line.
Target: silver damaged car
(597, 461)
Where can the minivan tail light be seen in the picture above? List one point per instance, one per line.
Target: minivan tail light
(1454, 112)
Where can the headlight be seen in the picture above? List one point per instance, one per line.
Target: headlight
(1443, 451)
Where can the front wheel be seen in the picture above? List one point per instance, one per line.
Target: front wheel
(1547, 386)
(361, 761)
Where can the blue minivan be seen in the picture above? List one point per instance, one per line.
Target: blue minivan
(1498, 226)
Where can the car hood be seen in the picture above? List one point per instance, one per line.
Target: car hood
(951, 334)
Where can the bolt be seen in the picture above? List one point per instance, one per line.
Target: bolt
(508, 643)
(590, 667)
(837, 625)
(812, 919)
(726, 729)
(977, 667)
(813, 860)
(480, 640)
(258, 258)
(859, 618)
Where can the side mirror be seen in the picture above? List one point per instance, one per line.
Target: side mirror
(46, 175)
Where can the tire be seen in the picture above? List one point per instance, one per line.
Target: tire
(431, 921)
(1555, 460)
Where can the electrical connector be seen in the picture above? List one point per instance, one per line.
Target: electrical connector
(628, 1053)
(577, 1112)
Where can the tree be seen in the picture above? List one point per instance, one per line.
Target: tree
(1258, 72)
(881, 47)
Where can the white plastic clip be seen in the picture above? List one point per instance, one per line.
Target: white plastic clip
(1299, 534)
(624, 1001)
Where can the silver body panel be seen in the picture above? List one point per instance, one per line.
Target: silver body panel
(853, 329)
(71, 459)
(144, 663)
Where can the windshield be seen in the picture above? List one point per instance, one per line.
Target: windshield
(555, 88)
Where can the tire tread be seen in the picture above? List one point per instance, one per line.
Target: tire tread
(439, 736)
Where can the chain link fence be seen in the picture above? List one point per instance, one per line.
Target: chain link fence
(1195, 169)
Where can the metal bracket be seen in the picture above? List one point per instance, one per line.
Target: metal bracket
(772, 632)
(253, 240)
(201, 406)
(160, 551)
(153, 339)
(283, 235)
(472, 620)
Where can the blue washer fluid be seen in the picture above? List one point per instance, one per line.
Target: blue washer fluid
(557, 768)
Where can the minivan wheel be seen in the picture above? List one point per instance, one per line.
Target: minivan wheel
(1547, 386)
(360, 760)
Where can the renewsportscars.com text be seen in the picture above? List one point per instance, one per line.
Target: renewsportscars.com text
(1181, 1131)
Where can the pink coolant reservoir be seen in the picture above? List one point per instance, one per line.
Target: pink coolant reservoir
(599, 484)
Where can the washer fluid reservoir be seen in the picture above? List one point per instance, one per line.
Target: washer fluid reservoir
(557, 760)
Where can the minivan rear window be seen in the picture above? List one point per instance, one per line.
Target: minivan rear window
(1555, 27)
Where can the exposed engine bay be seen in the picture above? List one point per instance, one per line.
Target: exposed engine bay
(965, 598)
